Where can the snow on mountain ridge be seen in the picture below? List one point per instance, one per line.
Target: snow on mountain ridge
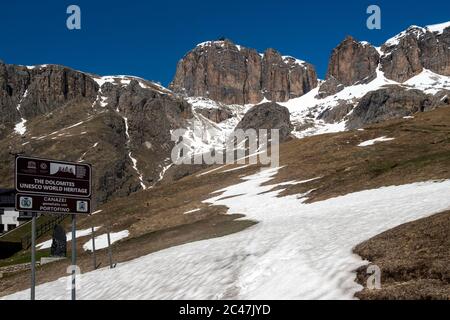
(295, 60)
(286, 58)
(439, 28)
(418, 31)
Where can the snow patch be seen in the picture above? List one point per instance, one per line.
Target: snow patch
(101, 241)
(373, 141)
(25, 94)
(414, 30)
(84, 154)
(428, 82)
(192, 211)
(439, 28)
(133, 160)
(296, 61)
(20, 127)
(164, 170)
(210, 43)
(79, 233)
(237, 168)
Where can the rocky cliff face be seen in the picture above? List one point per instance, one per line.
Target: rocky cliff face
(149, 114)
(352, 62)
(26, 92)
(400, 58)
(225, 72)
(408, 53)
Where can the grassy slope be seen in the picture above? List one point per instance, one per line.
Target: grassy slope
(155, 217)
(414, 259)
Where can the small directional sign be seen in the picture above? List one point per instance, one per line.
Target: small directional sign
(52, 204)
(42, 176)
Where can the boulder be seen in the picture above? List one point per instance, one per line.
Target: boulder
(393, 102)
(268, 116)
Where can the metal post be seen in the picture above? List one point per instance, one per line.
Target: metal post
(110, 251)
(74, 254)
(94, 260)
(33, 255)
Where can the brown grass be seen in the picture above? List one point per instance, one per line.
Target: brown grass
(414, 259)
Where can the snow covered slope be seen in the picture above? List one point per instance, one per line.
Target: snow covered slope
(296, 251)
(202, 134)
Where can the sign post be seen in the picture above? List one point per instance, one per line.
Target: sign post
(74, 254)
(109, 251)
(52, 186)
(33, 256)
(94, 259)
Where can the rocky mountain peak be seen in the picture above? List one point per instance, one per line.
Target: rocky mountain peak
(224, 44)
(415, 49)
(233, 74)
(351, 62)
(26, 92)
(399, 59)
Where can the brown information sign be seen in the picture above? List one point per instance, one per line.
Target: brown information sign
(42, 176)
(52, 204)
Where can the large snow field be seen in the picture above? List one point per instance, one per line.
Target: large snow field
(296, 251)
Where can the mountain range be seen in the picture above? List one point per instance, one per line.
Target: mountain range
(122, 124)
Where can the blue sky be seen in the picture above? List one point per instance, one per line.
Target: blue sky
(147, 38)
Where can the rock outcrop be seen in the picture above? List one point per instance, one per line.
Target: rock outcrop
(26, 92)
(393, 102)
(216, 115)
(232, 74)
(150, 116)
(269, 115)
(400, 58)
(415, 49)
(337, 113)
(353, 61)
